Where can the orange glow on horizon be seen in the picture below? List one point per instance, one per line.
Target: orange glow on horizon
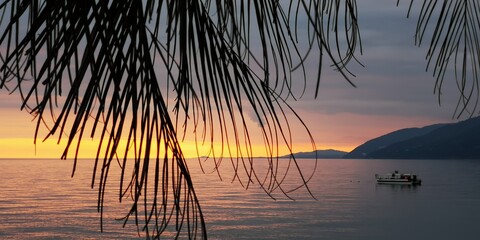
(330, 132)
(17, 129)
(25, 148)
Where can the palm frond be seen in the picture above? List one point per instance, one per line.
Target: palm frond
(452, 29)
(108, 70)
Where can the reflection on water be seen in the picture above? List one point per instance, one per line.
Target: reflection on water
(40, 200)
(397, 187)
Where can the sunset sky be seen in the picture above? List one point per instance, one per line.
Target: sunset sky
(393, 91)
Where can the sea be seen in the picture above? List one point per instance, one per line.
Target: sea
(40, 200)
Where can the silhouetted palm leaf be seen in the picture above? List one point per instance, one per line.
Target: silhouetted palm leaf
(100, 69)
(452, 28)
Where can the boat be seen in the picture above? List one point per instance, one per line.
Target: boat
(398, 178)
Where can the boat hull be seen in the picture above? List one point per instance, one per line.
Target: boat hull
(394, 181)
(398, 178)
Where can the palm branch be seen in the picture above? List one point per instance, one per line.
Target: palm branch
(451, 29)
(100, 69)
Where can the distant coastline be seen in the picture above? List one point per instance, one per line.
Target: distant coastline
(328, 153)
(459, 140)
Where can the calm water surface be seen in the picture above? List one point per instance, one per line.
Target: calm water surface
(40, 201)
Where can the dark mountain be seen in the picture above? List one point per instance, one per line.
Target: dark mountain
(330, 153)
(364, 150)
(441, 141)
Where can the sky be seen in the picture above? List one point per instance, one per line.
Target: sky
(393, 91)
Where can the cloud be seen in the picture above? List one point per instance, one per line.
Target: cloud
(394, 80)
